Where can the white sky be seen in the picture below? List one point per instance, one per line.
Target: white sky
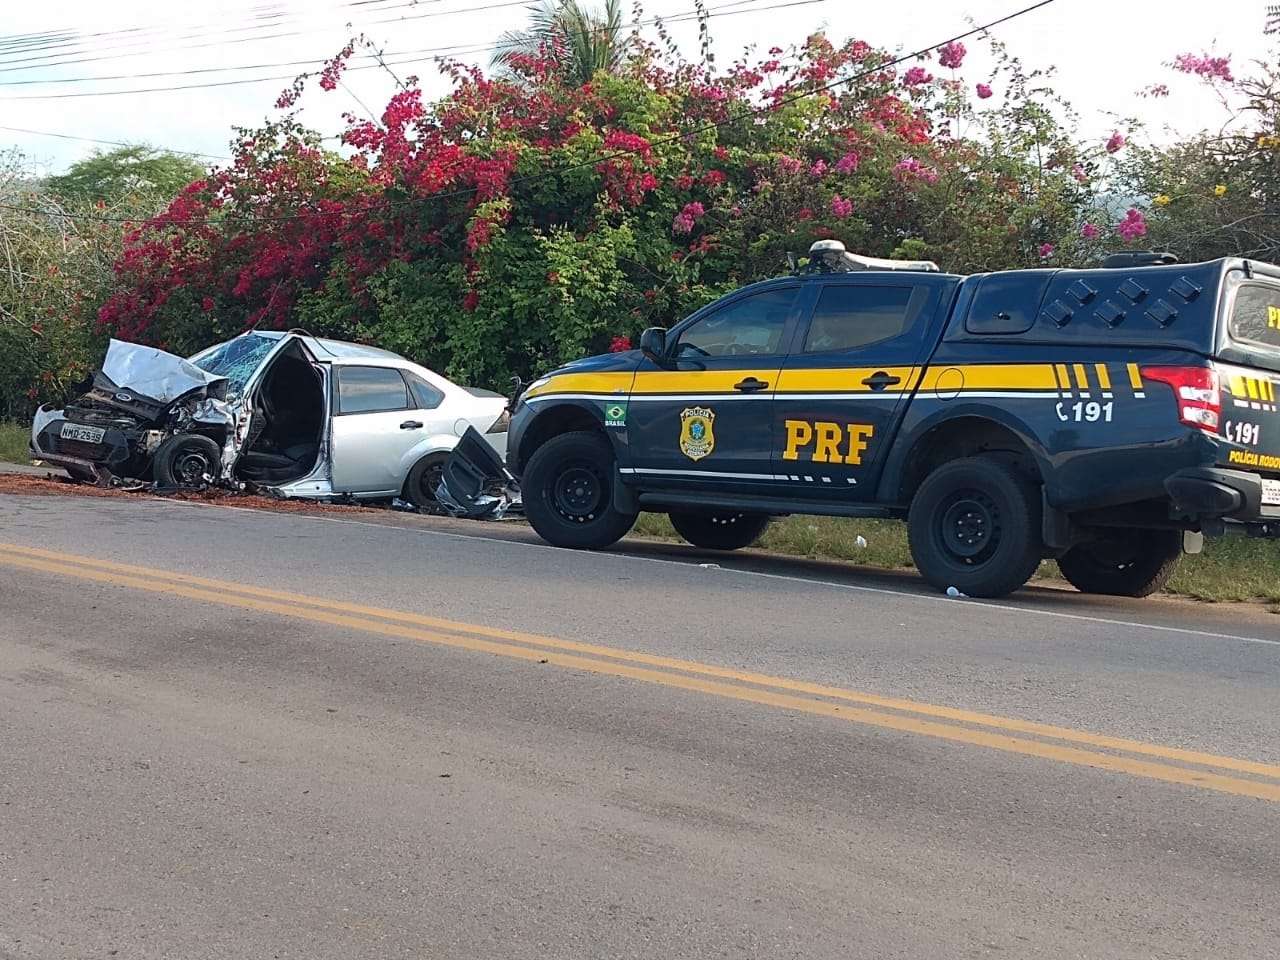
(1105, 50)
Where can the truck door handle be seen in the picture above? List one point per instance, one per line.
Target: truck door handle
(411, 425)
(879, 380)
(751, 385)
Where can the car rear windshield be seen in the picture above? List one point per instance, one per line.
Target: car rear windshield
(236, 359)
(1255, 318)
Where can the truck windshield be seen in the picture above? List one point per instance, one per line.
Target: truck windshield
(1255, 318)
(236, 359)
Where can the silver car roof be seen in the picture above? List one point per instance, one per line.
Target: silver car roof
(323, 348)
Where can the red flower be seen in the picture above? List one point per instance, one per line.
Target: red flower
(207, 304)
(470, 301)
(619, 344)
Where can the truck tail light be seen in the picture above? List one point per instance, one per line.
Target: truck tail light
(1197, 391)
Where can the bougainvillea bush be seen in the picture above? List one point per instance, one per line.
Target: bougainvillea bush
(523, 220)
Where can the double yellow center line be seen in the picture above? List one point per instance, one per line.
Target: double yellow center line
(1246, 778)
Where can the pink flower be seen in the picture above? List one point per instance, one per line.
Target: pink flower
(952, 55)
(819, 168)
(686, 218)
(1046, 251)
(1089, 231)
(1133, 226)
(848, 163)
(470, 301)
(207, 304)
(619, 344)
(840, 207)
(1205, 66)
(789, 164)
(916, 76)
(804, 213)
(1116, 143)
(984, 91)
(1078, 171)
(911, 167)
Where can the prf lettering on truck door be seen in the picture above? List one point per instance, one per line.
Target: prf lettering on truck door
(826, 442)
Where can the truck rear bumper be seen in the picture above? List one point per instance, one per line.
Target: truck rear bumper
(1216, 493)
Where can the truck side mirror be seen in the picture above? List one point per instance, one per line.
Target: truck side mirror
(653, 344)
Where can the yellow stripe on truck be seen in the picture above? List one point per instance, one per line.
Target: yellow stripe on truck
(844, 380)
(1104, 378)
(619, 383)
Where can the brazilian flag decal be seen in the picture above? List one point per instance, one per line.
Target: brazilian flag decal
(615, 415)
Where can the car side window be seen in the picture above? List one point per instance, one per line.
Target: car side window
(751, 326)
(371, 390)
(852, 316)
(425, 396)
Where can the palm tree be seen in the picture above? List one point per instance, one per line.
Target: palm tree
(584, 41)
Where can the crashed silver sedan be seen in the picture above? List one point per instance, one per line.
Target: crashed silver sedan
(287, 413)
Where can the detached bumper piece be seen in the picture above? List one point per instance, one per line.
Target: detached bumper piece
(475, 483)
(1224, 498)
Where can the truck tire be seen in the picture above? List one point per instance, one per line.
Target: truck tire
(185, 460)
(567, 490)
(720, 531)
(974, 524)
(1129, 563)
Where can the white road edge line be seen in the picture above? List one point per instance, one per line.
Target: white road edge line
(984, 604)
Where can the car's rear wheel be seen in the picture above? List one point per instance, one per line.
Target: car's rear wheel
(725, 530)
(974, 524)
(567, 491)
(424, 480)
(187, 462)
(1129, 563)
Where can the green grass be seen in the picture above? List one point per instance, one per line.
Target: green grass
(13, 443)
(1232, 569)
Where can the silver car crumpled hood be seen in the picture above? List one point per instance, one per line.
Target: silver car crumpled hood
(156, 375)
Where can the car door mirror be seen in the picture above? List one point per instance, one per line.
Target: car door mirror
(653, 344)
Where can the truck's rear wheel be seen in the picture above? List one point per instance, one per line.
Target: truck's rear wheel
(1129, 563)
(974, 524)
(567, 491)
(720, 531)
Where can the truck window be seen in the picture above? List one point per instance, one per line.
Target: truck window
(850, 316)
(746, 327)
(1255, 318)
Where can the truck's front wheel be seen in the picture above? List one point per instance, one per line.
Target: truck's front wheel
(567, 491)
(974, 524)
(1129, 563)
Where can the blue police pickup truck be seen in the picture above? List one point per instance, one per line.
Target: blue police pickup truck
(1108, 418)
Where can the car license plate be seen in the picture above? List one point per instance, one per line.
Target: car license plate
(73, 431)
(1271, 492)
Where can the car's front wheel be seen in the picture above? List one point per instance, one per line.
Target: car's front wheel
(974, 524)
(1132, 563)
(720, 531)
(567, 490)
(187, 461)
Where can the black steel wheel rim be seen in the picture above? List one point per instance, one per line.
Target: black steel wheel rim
(191, 467)
(578, 493)
(431, 479)
(968, 531)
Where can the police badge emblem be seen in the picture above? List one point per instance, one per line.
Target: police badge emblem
(697, 438)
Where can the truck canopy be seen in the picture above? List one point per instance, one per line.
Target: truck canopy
(1227, 309)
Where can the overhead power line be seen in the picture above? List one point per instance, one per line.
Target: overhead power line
(70, 43)
(7, 66)
(111, 143)
(671, 138)
(456, 50)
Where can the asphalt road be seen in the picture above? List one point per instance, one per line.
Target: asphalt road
(227, 733)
